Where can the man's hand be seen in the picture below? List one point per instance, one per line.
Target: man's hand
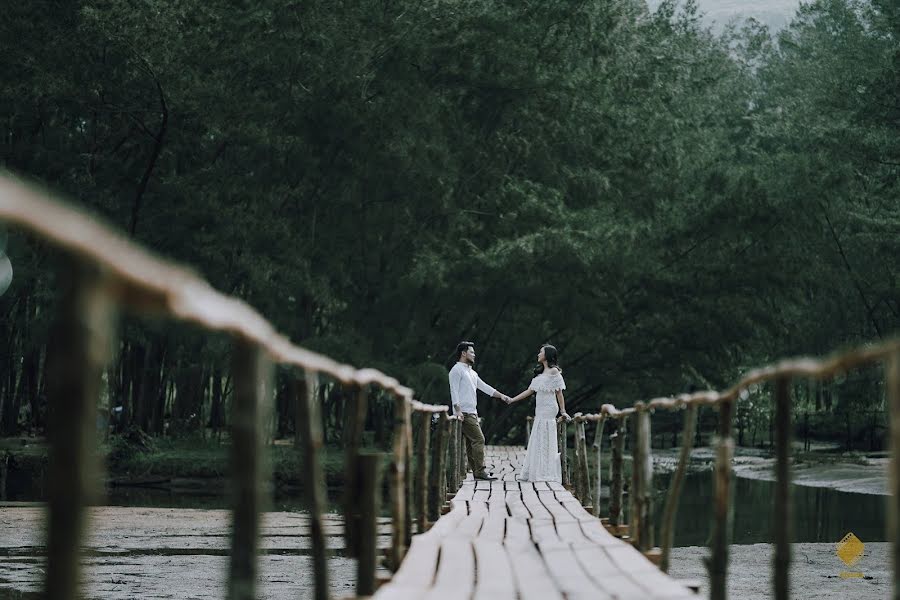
(506, 399)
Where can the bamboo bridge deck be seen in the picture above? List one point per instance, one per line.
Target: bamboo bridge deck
(509, 539)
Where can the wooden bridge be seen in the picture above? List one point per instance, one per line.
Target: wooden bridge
(504, 539)
(509, 539)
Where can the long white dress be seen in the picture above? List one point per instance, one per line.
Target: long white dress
(542, 458)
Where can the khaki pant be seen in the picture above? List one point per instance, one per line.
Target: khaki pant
(471, 431)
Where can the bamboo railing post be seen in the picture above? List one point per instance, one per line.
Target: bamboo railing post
(461, 463)
(528, 421)
(782, 511)
(81, 347)
(358, 408)
(368, 467)
(720, 539)
(408, 480)
(422, 459)
(578, 483)
(587, 499)
(251, 371)
(598, 444)
(641, 481)
(310, 423)
(438, 469)
(562, 434)
(892, 384)
(667, 531)
(615, 473)
(582, 481)
(398, 485)
(453, 457)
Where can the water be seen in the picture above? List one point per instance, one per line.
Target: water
(819, 514)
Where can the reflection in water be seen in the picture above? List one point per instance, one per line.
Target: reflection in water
(819, 515)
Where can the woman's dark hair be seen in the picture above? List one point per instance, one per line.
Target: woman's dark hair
(462, 347)
(551, 355)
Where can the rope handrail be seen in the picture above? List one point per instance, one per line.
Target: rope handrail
(109, 273)
(797, 367)
(641, 529)
(146, 283)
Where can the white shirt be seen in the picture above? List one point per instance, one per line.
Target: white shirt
(464, 382)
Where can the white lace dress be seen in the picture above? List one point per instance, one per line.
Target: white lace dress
(542, 458)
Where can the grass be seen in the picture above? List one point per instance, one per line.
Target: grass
(179, 458)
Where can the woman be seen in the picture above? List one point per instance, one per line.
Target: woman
(542, 459)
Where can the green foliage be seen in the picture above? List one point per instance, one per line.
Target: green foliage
(384, 179)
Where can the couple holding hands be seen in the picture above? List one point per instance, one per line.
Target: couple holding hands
(542, 458)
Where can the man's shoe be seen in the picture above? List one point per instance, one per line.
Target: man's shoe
(484, 477)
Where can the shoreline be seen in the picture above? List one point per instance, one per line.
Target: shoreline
(853, 473)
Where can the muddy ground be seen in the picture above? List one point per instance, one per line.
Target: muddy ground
(815, 572)
(171, 553)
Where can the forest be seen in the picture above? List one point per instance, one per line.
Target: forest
(668, 206)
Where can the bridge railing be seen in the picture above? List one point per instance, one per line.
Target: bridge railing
(104, 274)
(641, 529)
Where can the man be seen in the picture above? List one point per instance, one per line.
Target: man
(464, 382)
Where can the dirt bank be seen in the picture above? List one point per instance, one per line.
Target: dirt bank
(815, 572)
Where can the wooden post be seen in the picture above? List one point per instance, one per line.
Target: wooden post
(617, 441)
(892, 383)
(357, 411)
(586, 499)
(720, 539)
(251, 371)
(461, 463)
(369, 479)
(309, 421)
(81, 347)
(562, 434)
(667, 532)
(439, 469)
(641, 481)
(453, 457)
(409, 481)
(578, 483)
(528, 421)
(398, 485)
(422, 456)
(782, 511)
(598, 444)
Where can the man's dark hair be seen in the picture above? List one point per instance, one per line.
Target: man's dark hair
(463, 347)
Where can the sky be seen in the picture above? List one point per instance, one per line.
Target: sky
(774, 13)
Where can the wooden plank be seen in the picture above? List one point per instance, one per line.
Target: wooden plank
(466, 492)
(568, 573)
(533, 580)
(543, 531)
(517, 532)
(559, 512)
(533, 503)
(494, 572)
(448, 522)
(469, 527)
(481, 495)
(419, 568)
(494, 527)
(515, 505)
(456, 571)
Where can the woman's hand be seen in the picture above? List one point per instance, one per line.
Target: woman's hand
(565, 416)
